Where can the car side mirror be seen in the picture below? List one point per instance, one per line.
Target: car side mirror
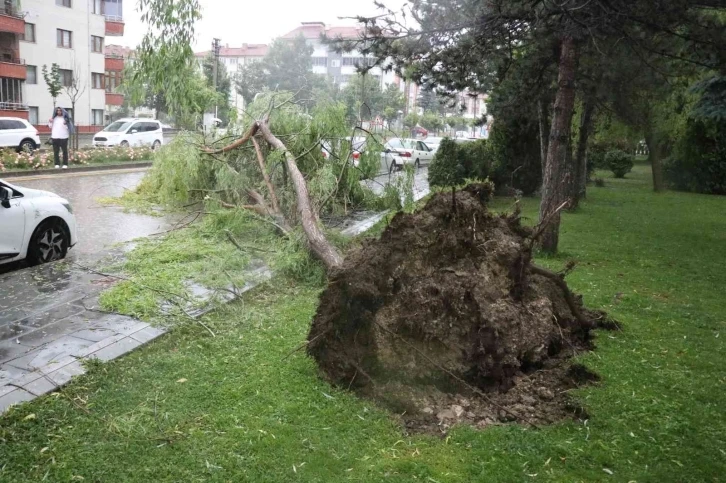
(387, 151)
(134, 131)
(5, 194)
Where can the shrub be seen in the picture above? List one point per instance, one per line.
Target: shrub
(599, 182)
(699, 160)
(477, 159)
(446, 169)
(515, 153)
(619, 162)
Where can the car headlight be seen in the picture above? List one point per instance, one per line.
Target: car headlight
(68, 207)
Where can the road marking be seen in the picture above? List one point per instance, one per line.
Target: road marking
(72, 174)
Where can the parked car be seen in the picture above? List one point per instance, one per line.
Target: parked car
(433, 143)
(37, 226)
(18, 134)
(131, 132)
(358, 146)
(398, 152)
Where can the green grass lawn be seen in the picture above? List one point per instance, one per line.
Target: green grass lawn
(191, 408)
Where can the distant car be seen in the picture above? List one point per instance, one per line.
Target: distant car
(131, 132)
(398, 152)
(358, 146)
(35, 225)
(433, 143)
(18, 134)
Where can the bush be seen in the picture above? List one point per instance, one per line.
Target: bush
(599, 182)
(619, 162)
(446, 169)
(38, 159)
(515, 149)
(477, 159)
(699, 160)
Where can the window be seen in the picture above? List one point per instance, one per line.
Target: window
(66, 77)
(97, 44)
(97, 7)
(113, 80)
(97, 81)
(233, 61)
(33, 115)
(138, 127)
(11, 124)
(11, 94)
(97, 117)
(63, 3)
(65, 38)
(32, 74)
(320, 61)
(29, 35)
(335, 63)
(113, 9)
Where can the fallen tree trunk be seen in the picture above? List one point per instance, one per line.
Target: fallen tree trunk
(319, 244)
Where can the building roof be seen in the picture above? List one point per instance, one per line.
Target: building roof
(118, 50)
(314, 30)
(247, 50)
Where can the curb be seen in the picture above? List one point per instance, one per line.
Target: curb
(78, 169)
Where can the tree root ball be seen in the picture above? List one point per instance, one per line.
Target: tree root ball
(443, 320)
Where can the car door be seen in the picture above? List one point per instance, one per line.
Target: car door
(423, 153)
(155, 133)
(135, 134)
(12, 225)
(5, 133)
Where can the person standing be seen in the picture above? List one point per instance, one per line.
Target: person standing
(61, 128)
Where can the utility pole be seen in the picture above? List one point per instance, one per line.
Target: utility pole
(216, 46)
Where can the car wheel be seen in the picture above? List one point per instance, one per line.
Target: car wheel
(156, 145)
(27, 146)
(124, 144)
(417, 164)
(49, 243)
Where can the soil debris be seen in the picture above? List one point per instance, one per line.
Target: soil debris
(444, 320)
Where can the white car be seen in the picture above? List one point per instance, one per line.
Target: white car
(35, 225)
(18, 134)
(131, 132)
(398, 152)
(433, 143)
(357, 145)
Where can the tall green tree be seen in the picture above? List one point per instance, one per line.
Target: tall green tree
(53, 81)
(286, 67)
(223, 88)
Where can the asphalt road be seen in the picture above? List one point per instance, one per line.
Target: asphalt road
(100, 226)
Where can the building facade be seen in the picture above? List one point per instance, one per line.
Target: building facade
(234, 58)
(70, 33)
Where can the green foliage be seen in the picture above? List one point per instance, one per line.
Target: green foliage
(477, 159)
(165, 61)
(363, 99)
(411, 120)
(53, 81)
(516, 152)
(224, 86)
(619, 162)
(431, 121)
(446, 169)
(287, 67)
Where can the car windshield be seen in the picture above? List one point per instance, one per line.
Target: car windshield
(117, 126)
(400, 144)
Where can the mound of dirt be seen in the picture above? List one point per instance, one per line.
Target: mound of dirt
(445, 320)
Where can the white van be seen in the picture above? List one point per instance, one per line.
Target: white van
(131, 132)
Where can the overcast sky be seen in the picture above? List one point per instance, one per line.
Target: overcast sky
(236, 22)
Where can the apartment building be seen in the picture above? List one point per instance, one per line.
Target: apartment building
(341, 67)
(234, 58)
(70, 33)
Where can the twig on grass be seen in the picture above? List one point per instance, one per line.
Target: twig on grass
(241, 247)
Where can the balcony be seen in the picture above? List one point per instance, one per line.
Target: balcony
(113, 99)
(11, 20)
(11, 98)
(12, 67)
(114, 63)
(114, 26)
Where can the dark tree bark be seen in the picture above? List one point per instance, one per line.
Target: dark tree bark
(656, 152)
(544, 133)
(554, 188)
(586, 118)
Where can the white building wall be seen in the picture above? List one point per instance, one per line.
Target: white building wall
(48, 17)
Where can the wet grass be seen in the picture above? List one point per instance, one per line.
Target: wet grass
(190, 407)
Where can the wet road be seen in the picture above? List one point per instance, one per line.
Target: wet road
(100, 227)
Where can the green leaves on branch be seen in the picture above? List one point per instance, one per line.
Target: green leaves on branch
(165, 61)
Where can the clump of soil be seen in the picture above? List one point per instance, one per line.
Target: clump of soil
(444, 319)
